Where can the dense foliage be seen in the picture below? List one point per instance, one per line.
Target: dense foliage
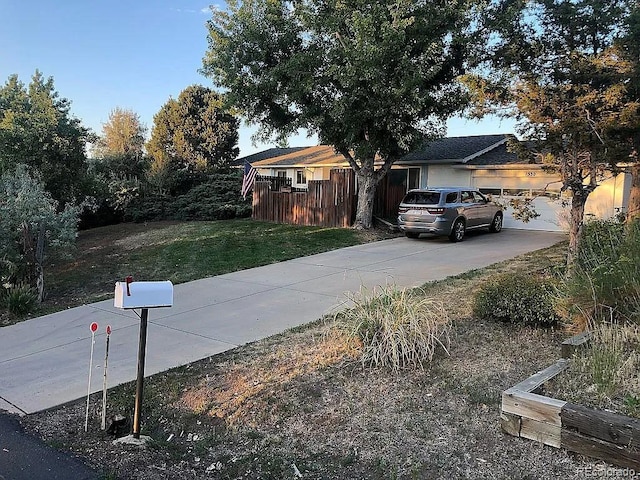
(217, 198)
(564, 69)
(192, 134)
(517, 299)
(31, 226)
(606, 283)
(37, 129)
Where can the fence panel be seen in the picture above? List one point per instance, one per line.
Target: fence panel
(326, 203)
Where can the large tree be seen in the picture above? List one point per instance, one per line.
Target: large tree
(38, 129)
(122, 135)
(372, 78)
(119, 166)
(557, 66)
(194, 132)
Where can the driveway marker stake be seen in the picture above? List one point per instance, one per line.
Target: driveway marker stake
(104, 380)
(93, 327)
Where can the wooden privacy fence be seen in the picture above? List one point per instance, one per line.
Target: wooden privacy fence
(326, 203)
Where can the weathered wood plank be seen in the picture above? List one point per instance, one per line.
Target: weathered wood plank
(610, 427)
(570, 345)
(541, 432)
(536, 380)
(510, 423)
(593, 447)
(530, 405)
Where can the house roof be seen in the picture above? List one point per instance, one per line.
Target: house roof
(324, 155)
(454, 149)
(265, 154)
(470, 150)
(496, 156)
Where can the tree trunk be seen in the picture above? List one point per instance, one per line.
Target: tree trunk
(633, 207)
(367, 183)
(578, 203)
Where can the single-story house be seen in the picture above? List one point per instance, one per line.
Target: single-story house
(482, 162)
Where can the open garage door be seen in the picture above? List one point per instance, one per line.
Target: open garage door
(608, 200)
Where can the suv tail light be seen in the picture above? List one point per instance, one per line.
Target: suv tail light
(435, 211)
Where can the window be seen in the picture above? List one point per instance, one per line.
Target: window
(282, 174)
(301, 177)
(422, 198)
(479, 198)
(452, 197)
(414, 178)
(492, 191)
(466, 197)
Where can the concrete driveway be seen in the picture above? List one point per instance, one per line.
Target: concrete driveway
(44, 361)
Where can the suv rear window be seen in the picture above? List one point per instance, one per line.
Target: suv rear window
(422, 198)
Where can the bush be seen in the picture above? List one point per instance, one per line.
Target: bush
(517, 299)
(217, 199)
(20, 299)
(606, 282)
(396, 328)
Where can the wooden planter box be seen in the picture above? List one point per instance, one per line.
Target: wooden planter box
(607, 436)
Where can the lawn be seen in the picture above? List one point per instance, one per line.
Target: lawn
(300, 405)
(180, 252)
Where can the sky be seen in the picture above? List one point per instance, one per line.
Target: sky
(132, 54)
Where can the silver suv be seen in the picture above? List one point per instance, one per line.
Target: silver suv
(447, 211)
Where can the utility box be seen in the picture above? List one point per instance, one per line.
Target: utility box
(129, 295)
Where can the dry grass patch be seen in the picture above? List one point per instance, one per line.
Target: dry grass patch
(243, 392)
(605, 374)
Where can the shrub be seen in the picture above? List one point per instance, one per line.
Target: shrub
(518, 299)
(216, 199)
(606, 282)
(20, 299)
(396, 328)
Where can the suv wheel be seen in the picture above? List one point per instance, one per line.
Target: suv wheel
(496, 224)
(457, 232)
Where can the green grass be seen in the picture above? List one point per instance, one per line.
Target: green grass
(180, 252)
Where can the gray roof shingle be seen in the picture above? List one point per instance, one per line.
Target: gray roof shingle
(454, 149)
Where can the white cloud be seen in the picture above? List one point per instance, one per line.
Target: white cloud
(211, 8)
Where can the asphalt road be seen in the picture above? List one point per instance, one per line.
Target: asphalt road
(23, 457)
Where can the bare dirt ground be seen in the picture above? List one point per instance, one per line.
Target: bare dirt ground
(300, 405)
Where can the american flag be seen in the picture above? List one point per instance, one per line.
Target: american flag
(248, 179)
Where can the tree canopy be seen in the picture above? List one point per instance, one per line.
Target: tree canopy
(122, 135)
(38, 129)
(558, 69)
(373, 79)
(194, 132)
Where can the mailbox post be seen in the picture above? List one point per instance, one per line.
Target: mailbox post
(132, 295)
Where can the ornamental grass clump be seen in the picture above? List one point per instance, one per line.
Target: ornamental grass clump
(396, 328)
(19, 299)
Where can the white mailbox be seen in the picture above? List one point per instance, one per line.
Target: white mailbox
(143, 294)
